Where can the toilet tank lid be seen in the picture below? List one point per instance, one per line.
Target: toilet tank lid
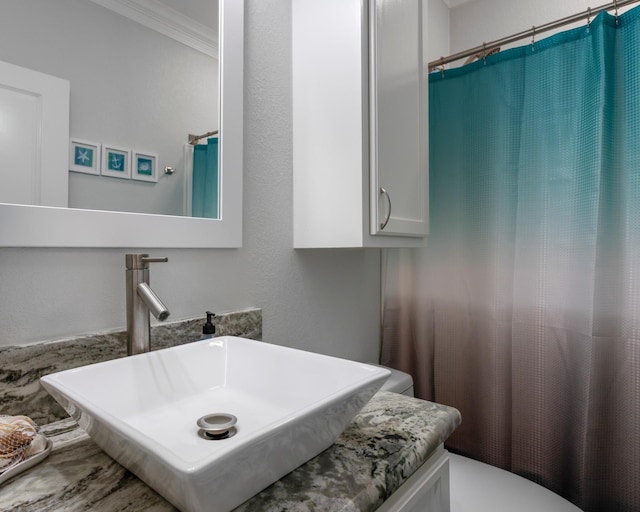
(398, 381)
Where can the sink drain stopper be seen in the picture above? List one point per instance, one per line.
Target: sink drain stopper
(217, 425)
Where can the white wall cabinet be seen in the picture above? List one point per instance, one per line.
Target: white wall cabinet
(360, 120)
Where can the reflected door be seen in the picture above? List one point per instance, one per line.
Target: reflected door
(34, 137)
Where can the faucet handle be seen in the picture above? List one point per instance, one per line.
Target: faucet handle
(145, 259)
(139, 261)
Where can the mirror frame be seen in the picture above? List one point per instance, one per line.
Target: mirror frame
(43, 226)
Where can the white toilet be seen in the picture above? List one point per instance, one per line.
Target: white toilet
(478, 487)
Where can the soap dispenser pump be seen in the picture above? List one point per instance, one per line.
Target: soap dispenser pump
(208, 329)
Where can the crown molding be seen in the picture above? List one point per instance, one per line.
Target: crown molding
(455, 3)
(167, 21)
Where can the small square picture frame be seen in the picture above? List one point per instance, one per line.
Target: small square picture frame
(144, 166)
(116, 162)
(84, 156)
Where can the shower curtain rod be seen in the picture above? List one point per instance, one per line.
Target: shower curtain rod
(532, 32)
(193, 139)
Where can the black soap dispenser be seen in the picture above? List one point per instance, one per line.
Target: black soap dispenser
(208, 329)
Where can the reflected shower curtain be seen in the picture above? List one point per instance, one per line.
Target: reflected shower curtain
(204, 198)
(524, 310)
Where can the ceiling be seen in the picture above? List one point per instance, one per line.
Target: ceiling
(202, 11)
(191, 22)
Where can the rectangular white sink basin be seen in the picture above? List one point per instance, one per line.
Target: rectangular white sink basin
(142, 410)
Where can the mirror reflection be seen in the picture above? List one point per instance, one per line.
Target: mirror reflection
(137, 92)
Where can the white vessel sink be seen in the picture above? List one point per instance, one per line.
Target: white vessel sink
(142, 410)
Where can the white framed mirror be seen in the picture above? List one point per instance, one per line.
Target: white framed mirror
(44, 226)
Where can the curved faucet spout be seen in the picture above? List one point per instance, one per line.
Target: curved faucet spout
(152, 301)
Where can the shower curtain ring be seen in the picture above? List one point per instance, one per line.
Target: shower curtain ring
(441, 66)
(615, 5)
(588, 18)
(533, 38)
(484, 53)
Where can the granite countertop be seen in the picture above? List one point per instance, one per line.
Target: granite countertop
(386, 442)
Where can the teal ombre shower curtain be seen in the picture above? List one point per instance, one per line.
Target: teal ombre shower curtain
(205, 182)
(524, 310)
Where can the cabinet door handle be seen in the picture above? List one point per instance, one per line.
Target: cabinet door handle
(386, 221)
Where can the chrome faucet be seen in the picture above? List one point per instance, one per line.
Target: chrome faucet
(141, 300)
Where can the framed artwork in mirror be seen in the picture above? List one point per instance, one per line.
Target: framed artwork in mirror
(144, 166)
(84, 156)
(116, 162)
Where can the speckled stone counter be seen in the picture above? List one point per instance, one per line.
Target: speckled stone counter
(22, 366)
(387, 441)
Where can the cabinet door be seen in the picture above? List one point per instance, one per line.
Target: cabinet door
(398, 119)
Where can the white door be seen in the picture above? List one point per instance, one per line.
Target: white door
(34, 137)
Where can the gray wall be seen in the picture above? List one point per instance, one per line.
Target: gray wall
(325, 301)
(322, 300)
